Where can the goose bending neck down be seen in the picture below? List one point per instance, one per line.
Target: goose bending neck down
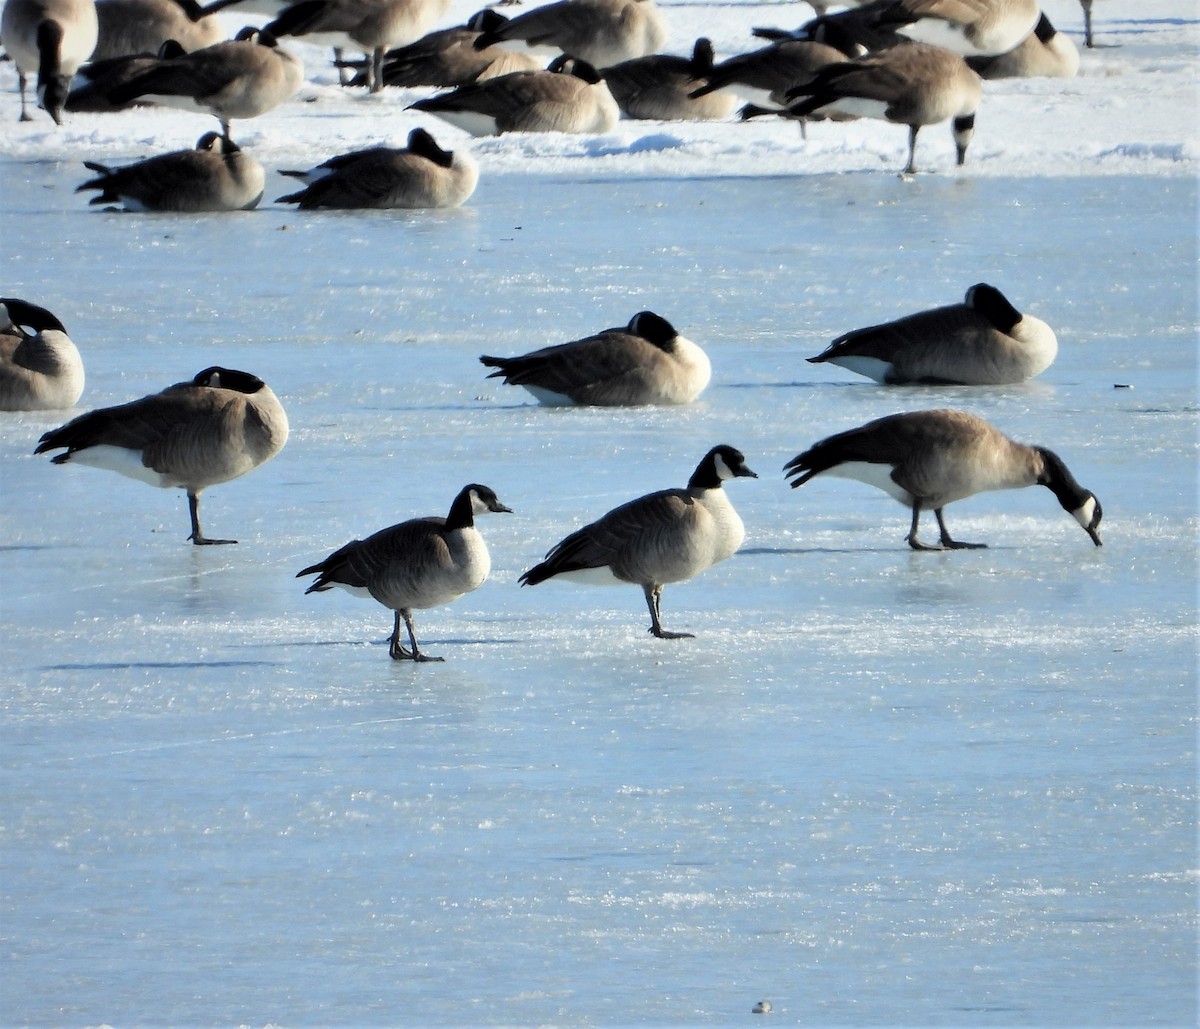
(928, 459)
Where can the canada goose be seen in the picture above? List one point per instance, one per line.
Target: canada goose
(222, 424)
(215, 176)
(984, 341)
(912, 84)
(142, 26)
(423, 175)
(96, 80)
(52, 38)
(660, 87)
(928, 459)
(645, 362)
(569, 96)
(601, 32)
(40, 370)
(373, 25)
(448, 58)
(241, 78)
(667, 536)
(968, 27)
(762, 77)
(1044, 53)
(420, 563)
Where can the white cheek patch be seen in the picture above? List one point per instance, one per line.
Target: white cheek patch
(1086, 512)
(723, 471)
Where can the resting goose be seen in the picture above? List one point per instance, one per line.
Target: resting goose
(40, 370)
(220, 425)
(421, 176)
(418, 564)
(928, 459)
(142, 26)
(601, 32)
(217, 175)
(569, 96)
(911, 84)
(661, 87)
(667, 536)
(968, 27)
(49, 38)
(1044, 53)
(241, 78)
(984, 341)
(646, 362)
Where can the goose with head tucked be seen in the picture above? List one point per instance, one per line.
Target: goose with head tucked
(601, 32)
(216, 175)
(422, 175)
(216, 427)
(1044, 53)
(967, 27)
(49, 39)
(661, 87)
(644, 362)
(984, 341)
(417, 564)
(568, 96)
(668, 536)
(911, 84)
(241, 78)
(40, 367)
(928, 459)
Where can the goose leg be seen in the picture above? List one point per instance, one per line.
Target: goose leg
(951, 544)
(22, 82)
(653, 601)
(911, 538)
(911, 167)
(197, 536)
(397, 651)
(1087, 21)
(377, 69)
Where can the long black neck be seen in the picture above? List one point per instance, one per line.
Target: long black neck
(462, 511)
(1057, 478)
(705, 476)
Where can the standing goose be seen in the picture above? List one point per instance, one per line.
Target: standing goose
(222, 424)
(984, 341)
(569, 96)
(49, 38)
(418, 564)
(215, 176)
(39, 370)
(1044, 53)
(241, 78)
(423, 175)
(373, 25)
(661, 87)
(667, 536)
(968, 27)
(928, 459)
(646, 362)
(912, 84)
(601, 32)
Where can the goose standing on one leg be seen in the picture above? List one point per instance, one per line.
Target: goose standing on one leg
(418, 564)
(222, 424)
(49, 38)
(39, 370)
(667, 536)
(928, 459)
(984, 341)
(911, 84)
(645, 362)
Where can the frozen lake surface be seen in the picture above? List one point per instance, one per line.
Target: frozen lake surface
(879, 787)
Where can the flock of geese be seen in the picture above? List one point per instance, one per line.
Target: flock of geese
(909, 69)
(908, 62)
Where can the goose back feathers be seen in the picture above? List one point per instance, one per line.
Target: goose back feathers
(40, 367)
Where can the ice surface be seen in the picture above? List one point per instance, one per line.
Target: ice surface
(879, 787)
